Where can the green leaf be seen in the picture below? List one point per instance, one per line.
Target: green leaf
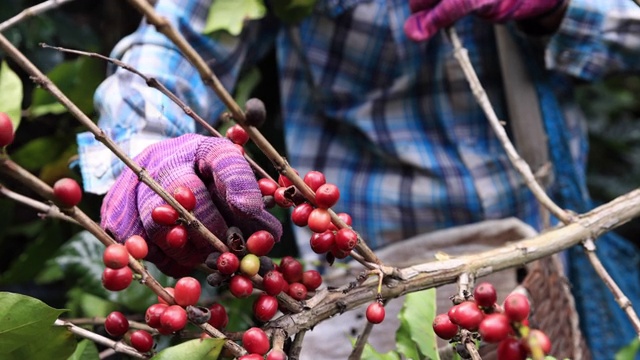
(77, 79)
(369, 353)
(38, 152)
(197, 349)
(10, 94)
(230, 15)
(404, 343)
(292, 11)
(27, 330)
(628, 352)
(86, 350)
(29, 263)
(416, 316)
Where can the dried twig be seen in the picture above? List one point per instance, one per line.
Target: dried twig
(30, 12)
(118, 346)
(523, 168)
(622, 300)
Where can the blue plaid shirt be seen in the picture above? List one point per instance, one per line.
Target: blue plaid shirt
(391, 122)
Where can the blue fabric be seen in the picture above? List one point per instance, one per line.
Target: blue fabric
(392, 122)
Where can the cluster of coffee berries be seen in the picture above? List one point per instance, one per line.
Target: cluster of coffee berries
(326, 238)
(117, 325)
(506, 324)
(117, 275)
(165, 214)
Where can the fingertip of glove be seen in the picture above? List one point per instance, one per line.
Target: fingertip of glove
(414, 30)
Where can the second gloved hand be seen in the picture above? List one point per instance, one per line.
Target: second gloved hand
(225, 187)
(429, 16)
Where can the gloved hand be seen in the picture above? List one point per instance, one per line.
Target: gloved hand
(428, 16)
(225, 187)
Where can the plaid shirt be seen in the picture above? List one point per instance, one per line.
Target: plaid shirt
(393, 123)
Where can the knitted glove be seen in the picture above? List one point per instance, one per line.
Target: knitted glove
(225, 187)
(428, 16)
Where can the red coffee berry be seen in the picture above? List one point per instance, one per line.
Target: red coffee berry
(165, 214)
(327, 195)
(516, 307)
(117, 279)
(116, 324)
(485, 295)
(267, 186)
(255, 112)
(240, 286)
(346, 218)
(467, 315)
(300, 214)
(286, 259)
(115, 256)
(540, 338)
(237, 135)
(494, 328)
(265, 307)
(260, 243)
(174, 318)
(228, 263)
(375, 313)
(297, 291)
(284, 181)
(141, 341)
(168, 289)
(255, 341)
(273, 282)
(185, 197)
(67, 191)
(250, 265)
(187, 291)
(322, 242)
(319, 220)
(276, 354)
(338, 253)
(314, 179)
(6, 130)
(177, 236)
(219, 317)
(444, 328)
(280, 198)
(251, 357)
(346, 239)
(292, 271)
(311, 279)
(511, 349)
(153, 313)
(137, 246)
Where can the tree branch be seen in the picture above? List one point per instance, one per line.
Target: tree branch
(30, 12)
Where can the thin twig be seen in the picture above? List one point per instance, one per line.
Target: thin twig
(461, 54)
(622, 300)
(40, 79)
(118, 346)
(98, 320)
(163, 26)
(46, 210)
(30, 12)
(296, 345)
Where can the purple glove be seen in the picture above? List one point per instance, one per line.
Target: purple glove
(428, 16)
(225, 187)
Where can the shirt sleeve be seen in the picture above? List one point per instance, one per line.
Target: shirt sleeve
(596, 38)
(135, 115)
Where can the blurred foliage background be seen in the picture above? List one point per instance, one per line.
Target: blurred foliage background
(54, 261)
